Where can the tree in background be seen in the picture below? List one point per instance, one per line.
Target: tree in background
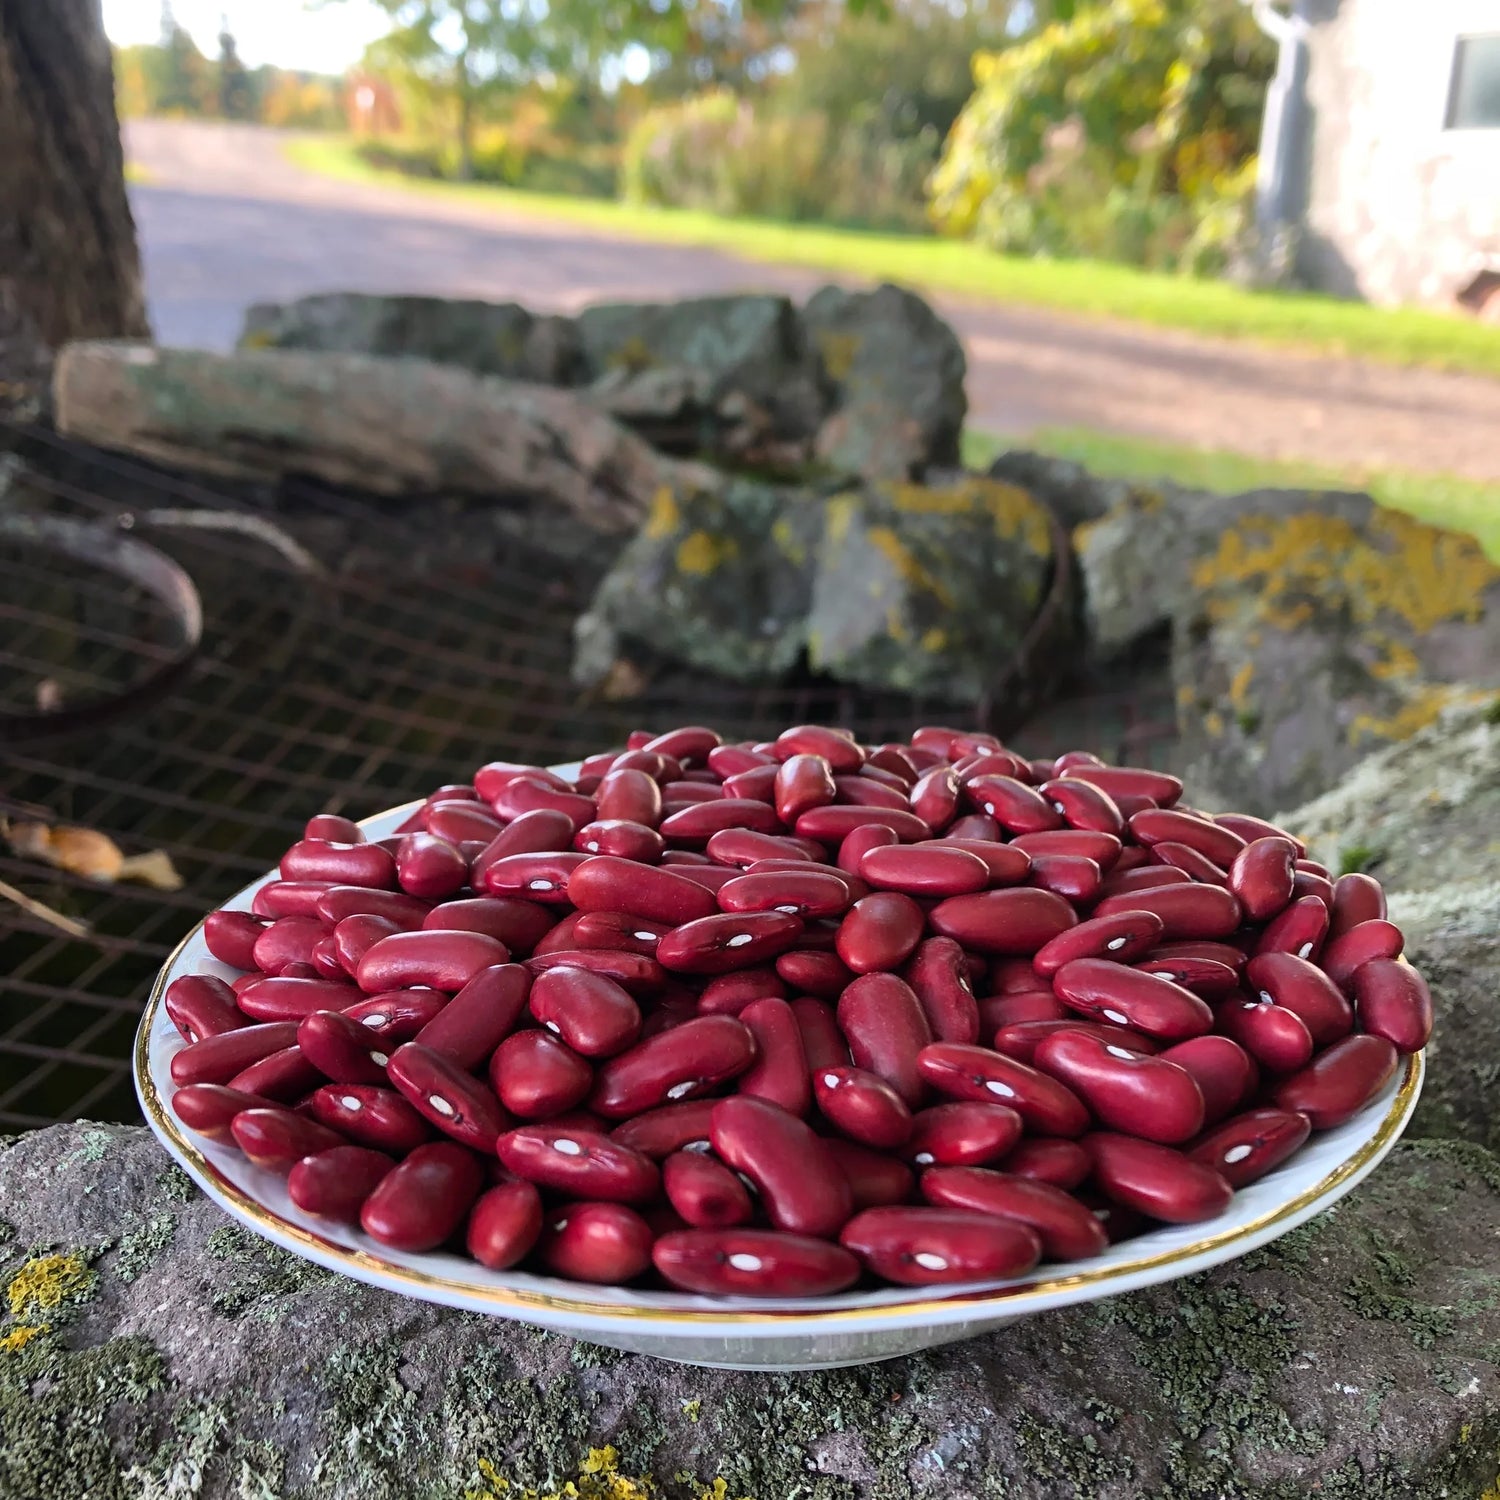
(236, 91)
(179, 77)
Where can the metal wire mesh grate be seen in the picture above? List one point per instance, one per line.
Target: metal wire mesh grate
(439, 638)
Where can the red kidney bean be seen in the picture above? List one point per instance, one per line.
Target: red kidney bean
(201, 1006)
(935, 797)
(1222, 953)
(1186, 911)
(340, 864)
(683, 1063)
(280, 998)
(1194, 865)
(1343, 955)
(504, 1225)
(820, 974)
(924, 870)
(1065, 762)
(1149, 1097)
(1356, 898)
(1067, 1230)
(539, 832)
(579, 1162)
(536, 1076)
(448, 1097)
(288, 898)
(633, 972)
(966, 1134)
(1340, 1081)
(671, 1127)
(1111, 992)
(520, 925)
(334, 1184)
(1275, 1037)
(1044, 1104)
(1203, 976)
(1065, 1164)
(779, 1072)
(834, 746)
(1224, 1072)
(1250, 1145)
(283, 1077)
(741, 848)
(1017, 807)
(875, 1178)
(492, 779)
(603, 1243)
(1017, 1008)
(856, 844)
(730, 760)
(693, 743)
(822, 1041)
(1393, 1002)
(1303, 988)
(1082, 805)
(753, 1263)
(1123, 937)
(883, 1021)
(931, 1246)
(287, 940)
(434, 958)
(1015, 921)
(1156, 1180)
(972, 828)
(230, 936)
(729, 994)
(325, 959)
(936, 739)
(800, 1184)
(424, 1199)
(801, 782)
(697, 823)
(529, 793)
(938, 975)
(542, 877)
(897, 760)
(1215, 843)
(1021, 1039)
(1142, 878)
(333, 829)
(1301, 929)
(704, 1191)
(1251, 829)
(430, 867)
(372, 1116)
(756, 785)
(485, 1011)
(863, 1106)
(880, 932)
(355, 936)
(339, 902)
(218, 1058)
(1081, 843)
(1314, 867)
(276, 1138)
(210, 1108)
(1008, 976)
(342, 1050)
(832, 824)
(462, 823)
(867, 791)
(616, 931)
(1130, 781)
(593, 1014)
(622, 839)
(1262, 875)
(805, 895)
(725, 941)
(702, 871)
(662, 895)
(398, 1015)
(991, 762)
(630, 795)
(1078, 880)
(1304, 883)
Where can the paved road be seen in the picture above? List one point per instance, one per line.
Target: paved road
(226, 221)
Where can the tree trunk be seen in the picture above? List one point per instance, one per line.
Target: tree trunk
(69, 267)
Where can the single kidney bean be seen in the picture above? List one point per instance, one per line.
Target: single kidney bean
(924, 870)
(832, 824)
(799, 1182)
(1111, 992)
(421, 1201)
(333, 829)
(603, 1243)
(779, 1072)
(936, 739)
(1305, 883)
(729, 994)
(340, 1049)
(1018, 808)
(662, 895)
(524, 794)
(1250, 1145)
(791, 891)
(1123, 937)
(633, 972)
(493, 778)
(283, 1077)
(990, 760)
(704, 1191)
(1018, 921)
(1018, 1007)
(210, 1108)
(690, 744)
(970, 828)
(1186, 911)
(863, 1106)
(1156, 1180)
(617, 931)
(1207, 977)
(755, 785)
(288, 898)
(1064, 1164)
(1082, 805)
(1044, 1104)
(520, 925)
(1261, 877)
(448, 1097)
(1194, 865)
(880, 932)
(230, 936)
(886, 1028)
(1103, 848)
(725, 941)
(540, 832)
(1301, 928)
(1343, 955)
(1067, 1230)
(398, 1015)
(699, 869)
(341, 901)
(753, 1263)
(537, 1076)
(1224, 953)
(276, 1138)
(868, 791)
(579, 1162)
(1277, 1038)
(1225, 1073)
(1356, 898)
(1315, 867)
(1004, 863)
(201, 1006)
(1303, 988)
(801, 782)
(856, 844)
(741, 848)
(461, 823)
(440, 960)
(622, 839)
(1009, 976)
(591, 1012)
(334, 1184)
(671, 1127)
(1076, 879)
(1393, 1002)
(930, 1246)
(822, 1041)
(326, 960)
(1149, 1097)
(935, 797)
(535, 877)
(875, 1178)
(730, 760)
(1142, 877)
(1251, 829)
(631, 795)
(340, 864)
(685, 1062)
(820, 974)
(504, 1225)
(1130, 781)
(430, 867)
(1071, 758)
(697, 823)
(216, 1059)
(356, 935)
(966, 1133)
(897, 760)
(1021, 1039)
(938, 975)
(286, 941)
(1214, 842)
(834, 746)
(372, 1116)
(280, 998)
(485, 1011)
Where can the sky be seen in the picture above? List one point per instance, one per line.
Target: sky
(288, 33)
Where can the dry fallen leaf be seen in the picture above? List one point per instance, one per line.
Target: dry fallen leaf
(154, 869)
(93, 855)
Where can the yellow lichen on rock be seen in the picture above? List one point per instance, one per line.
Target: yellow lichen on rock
(599, 1478)
(788, 543)
(838, 351)
(700, 553)
(19, 1337)
(666, 515)
(907, 567)
(1012, 511)
(1424, 707)
(47, 1281)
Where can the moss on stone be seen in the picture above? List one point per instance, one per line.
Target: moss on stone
(264, 1271)
(175, 1184)
(139, 1247)
(1064, 1457)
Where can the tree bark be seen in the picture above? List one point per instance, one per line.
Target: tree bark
(69, 267)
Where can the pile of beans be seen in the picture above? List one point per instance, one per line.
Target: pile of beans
(763, 1019)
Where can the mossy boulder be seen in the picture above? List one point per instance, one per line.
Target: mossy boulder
(150, 1348)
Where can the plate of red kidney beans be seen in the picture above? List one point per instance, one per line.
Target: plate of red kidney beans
(785, 1054)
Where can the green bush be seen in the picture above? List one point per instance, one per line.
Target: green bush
(501, 159)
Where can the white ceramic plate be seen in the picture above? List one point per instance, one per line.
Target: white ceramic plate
(741, 1332)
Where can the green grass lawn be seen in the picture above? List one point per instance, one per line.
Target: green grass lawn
(1442, 499)
(1091, 288)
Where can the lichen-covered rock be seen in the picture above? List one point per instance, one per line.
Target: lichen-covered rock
(897, 373)
(489, 338)
(1066, 488)
(931, 588)
(149, 1348)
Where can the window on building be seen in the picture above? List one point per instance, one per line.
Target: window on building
(1474, 98)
